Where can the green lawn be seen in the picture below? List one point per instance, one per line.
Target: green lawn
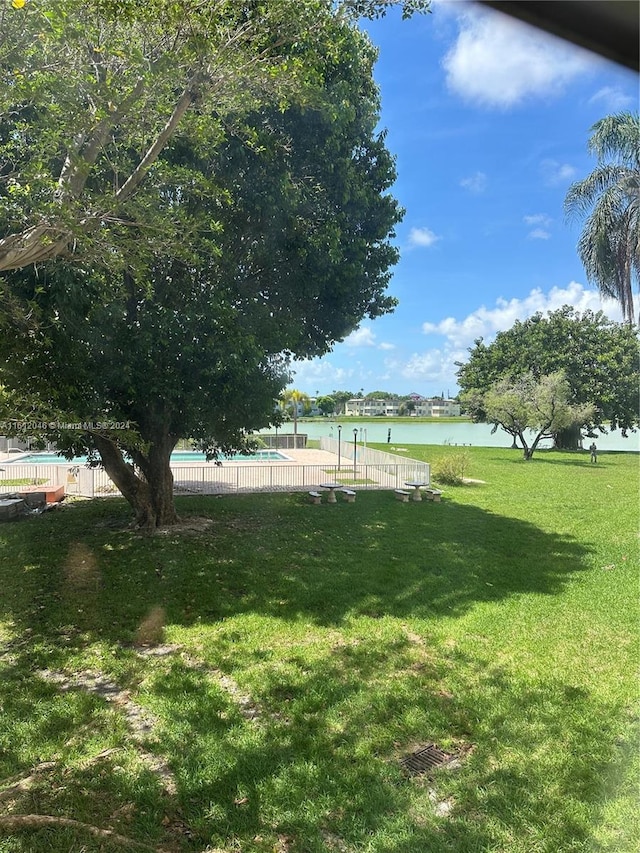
(310, 648)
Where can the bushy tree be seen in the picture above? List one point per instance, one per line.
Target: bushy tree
(599, 359)
(523, 403)
(285, 219)
(326, 404)
(342, 398)
(407, 407)
(93, 91)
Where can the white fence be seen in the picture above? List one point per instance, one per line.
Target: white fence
(214, 479)
(41, 475)
(344, 449)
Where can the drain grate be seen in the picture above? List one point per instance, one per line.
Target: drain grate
(425, 759)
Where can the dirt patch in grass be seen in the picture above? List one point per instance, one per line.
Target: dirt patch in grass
(139, 721)
(194, 524)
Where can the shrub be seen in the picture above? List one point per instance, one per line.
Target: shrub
(452, 468)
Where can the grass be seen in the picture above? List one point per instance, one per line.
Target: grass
(347, 478)
(317, 645)
(24, 481)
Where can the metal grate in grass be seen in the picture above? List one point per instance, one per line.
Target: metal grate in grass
(426, 759)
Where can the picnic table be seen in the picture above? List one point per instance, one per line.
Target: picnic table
(331, 487)
(416, 485)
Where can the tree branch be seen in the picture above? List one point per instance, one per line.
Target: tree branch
(189, 95)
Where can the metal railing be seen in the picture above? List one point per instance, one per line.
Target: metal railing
(43, 475)
(214, 479)
(368, 456)
(283, 440)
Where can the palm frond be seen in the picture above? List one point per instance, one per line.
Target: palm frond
(609, 198)
(618, 137)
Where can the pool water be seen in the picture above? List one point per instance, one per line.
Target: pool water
(178, 456)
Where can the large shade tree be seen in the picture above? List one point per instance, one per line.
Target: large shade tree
(93, 91)
(289, 219)
(598, 358)
(609, 201)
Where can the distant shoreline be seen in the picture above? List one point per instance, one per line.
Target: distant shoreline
(384, 419)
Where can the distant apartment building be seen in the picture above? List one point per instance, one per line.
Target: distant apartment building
(435, 408)
(371, 408)
(426, 407)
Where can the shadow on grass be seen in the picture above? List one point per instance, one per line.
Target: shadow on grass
(571, 458)
(306, 770)
(310, 775)
(73, 574)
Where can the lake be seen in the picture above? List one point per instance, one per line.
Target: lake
(460, 434)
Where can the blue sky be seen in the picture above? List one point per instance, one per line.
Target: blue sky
(488, 120)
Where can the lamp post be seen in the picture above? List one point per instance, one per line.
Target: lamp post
(355, 439)
(276, 436)
(339, 435)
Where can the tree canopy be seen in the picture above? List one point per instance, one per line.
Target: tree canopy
(278, 226)
(326, 404)
(599, 359)
(524, 404)
(92, 92)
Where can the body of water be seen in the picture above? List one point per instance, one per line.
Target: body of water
(459, 434)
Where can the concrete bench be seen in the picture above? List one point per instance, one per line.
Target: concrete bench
(433, 494)
(315, 497)
(10, 508)
(402, 495)
(350, 495)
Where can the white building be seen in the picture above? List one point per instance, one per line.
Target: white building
(426, 407)
(371, 408)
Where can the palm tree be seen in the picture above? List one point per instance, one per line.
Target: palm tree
(609, 197)
(292, 398)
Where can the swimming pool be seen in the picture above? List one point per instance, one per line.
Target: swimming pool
(178, 457)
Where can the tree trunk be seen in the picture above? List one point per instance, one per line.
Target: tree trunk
(527, 452)
(543, 433)
(150, 495)
(160, 479)
(568, 438)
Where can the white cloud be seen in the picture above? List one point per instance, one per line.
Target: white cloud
(362, 337)
(320, 372)
(538, 219)
(448, 342)
(612, 99)
(499, 62)
(438, 362)
(543, 222)
(476, 183)
(365, 337)
(422, 237)
(436, 365)
(554, 173)
(487, 322)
